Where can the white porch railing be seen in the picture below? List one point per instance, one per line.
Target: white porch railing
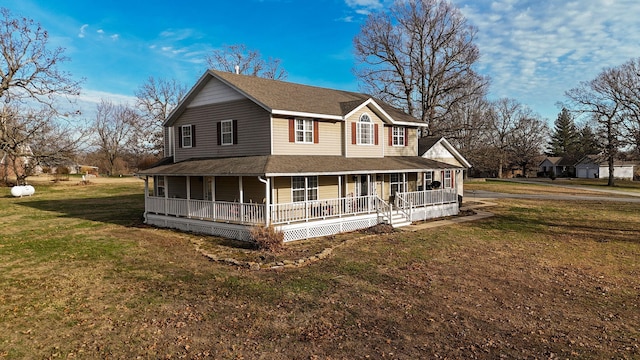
(254, 214)
(409, 200)
(322, 209)
(219, 211)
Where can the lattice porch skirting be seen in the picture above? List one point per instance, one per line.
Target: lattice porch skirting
(297, 231)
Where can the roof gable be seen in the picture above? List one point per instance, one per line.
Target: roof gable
(432, 143)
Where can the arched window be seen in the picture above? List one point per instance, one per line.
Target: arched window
(365, 130)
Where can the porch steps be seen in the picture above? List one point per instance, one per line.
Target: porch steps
(398, 219)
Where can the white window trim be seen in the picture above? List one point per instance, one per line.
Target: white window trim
(446, 182)
(190, 137)
(307, 189)
(359, 125)
(159, 184)
(427, 180)
(401, 184)
(307, 128)
(223, 133)
(398, 133)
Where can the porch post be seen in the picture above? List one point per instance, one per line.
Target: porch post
(146, 196)
(166, 194)
(240, 188)
(188, 196)
(213, 197)
(369, 192)
(267, 199)
(213, 188)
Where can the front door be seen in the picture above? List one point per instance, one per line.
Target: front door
(364, 186)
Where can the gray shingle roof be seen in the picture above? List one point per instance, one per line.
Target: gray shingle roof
(287, 165)
(281, 95)
(426, 143)
(275, 95)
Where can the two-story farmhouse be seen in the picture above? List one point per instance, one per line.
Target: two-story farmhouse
(244, 151)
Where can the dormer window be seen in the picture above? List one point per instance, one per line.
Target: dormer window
(365, 130)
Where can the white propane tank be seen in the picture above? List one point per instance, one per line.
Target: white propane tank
(22, 190)
(28, 190)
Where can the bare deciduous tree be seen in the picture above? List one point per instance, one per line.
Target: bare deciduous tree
(504, 116)
(418, 56)
(114, 127)
(467, 124)
(237, 58)
(31, 89)
(526, 140)
(626, 89)
(599, 100)
(30, 138)
(156, 99)
(28, 68)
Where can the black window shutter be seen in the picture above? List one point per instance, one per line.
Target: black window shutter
(193, 136)
(219, 132)
(235, 131)
(179, 136)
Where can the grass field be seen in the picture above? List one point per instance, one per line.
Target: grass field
(587, 186)
(81, 277)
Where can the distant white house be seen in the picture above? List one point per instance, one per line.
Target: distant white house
(595, 166)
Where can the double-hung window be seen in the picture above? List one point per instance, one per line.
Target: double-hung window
(398, 183)
(446, 180)
(365, 130)
(159, 185)
(304, 188)
(398, 136)
(428, 179)
(187, 136)
(226, 132)
(304, 131)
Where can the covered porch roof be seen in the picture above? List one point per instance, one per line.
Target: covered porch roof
(293, 165)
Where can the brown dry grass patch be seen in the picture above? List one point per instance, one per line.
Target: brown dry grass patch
(543, 187)
(541, 279)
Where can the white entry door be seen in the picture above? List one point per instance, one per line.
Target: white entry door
(364, 186)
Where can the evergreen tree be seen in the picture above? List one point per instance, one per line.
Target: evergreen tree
(587, 142)
(565, 137)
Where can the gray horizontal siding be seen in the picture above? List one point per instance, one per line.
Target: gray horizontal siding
(253, 130)
(215, 92)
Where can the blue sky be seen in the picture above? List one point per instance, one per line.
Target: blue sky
(533, 50)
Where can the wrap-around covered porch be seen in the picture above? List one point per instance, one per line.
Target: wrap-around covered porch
(300, 206)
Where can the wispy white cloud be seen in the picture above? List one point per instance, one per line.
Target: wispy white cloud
(347, 19)
(181, 44)
(365, 7)
(179, 34)
(90, 97)
(536, 52)
(371, 4)
(83, 30)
